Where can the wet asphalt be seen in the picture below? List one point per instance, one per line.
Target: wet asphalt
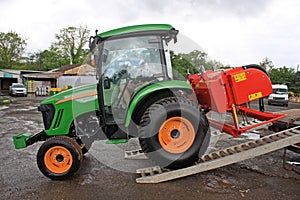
(105, 174)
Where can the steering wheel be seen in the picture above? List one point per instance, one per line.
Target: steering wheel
(118, 75)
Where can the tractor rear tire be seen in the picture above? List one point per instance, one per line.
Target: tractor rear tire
(59, 157)
(174, 133)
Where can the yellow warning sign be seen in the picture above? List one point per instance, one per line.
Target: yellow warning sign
(254, 96)
(240, 77)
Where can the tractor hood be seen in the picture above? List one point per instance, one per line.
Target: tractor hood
(60, 110)
(78, 93)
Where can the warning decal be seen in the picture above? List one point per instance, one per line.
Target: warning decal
(240, 77)
(254, 96)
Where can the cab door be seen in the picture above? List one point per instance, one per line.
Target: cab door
(127, 64)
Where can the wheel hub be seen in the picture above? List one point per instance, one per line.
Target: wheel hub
(176, 135)
(58, 159)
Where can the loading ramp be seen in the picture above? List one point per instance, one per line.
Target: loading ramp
(220, 158)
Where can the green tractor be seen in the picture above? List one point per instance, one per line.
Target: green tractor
(138, 95)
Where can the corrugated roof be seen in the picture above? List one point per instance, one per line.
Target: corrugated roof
(65, 68)
(42, 75)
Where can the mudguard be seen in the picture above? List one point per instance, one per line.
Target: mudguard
(172, 85)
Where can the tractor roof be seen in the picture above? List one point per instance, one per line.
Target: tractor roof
(136, 28)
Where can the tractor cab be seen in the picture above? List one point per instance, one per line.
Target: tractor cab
(127, 65)
(129, 60)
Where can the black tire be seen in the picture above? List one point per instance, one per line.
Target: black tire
(255, 66)
(59, 157)
(186, 120)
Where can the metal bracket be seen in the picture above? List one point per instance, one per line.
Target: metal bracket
(135, 155)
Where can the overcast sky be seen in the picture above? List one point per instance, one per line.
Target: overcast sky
(235, 32)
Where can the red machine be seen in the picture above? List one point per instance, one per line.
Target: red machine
(230, 91)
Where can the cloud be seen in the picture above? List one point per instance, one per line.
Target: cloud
(237, 8)
(234, 31)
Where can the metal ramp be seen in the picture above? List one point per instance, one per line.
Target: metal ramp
(224, 157)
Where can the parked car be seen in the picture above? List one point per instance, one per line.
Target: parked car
(17, 89)
(279, 95)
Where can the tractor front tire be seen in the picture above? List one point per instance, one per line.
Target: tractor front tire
(59, 157)
(174, 133)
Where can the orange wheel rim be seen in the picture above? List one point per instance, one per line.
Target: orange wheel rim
(58, 159)
(176, 135)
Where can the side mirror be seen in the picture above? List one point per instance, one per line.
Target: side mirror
(106, 83)
(93, 41)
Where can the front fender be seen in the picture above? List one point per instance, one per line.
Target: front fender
(173, 85)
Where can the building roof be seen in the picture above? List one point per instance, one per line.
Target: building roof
(43, 75)
(65, 68)
(12, 73)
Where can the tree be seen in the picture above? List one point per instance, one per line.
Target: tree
(12, 47)
(52, 59)
(196, 58)
(70, 43)
(281, 75)
(193, 62)
(180, 66)
(267, 64)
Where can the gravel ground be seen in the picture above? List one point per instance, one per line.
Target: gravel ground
(105, 174)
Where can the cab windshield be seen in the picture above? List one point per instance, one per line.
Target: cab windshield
(280, 91)
(126, 65)
(18, 86)
(139, 56)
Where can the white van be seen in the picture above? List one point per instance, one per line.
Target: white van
(279, 95)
